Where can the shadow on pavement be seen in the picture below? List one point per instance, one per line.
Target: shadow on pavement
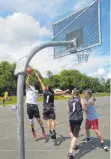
(86, 148)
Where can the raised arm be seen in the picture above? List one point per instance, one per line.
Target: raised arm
(27, 81)
(84, 106)
(40, 81)
(90, 102)
(60, 93)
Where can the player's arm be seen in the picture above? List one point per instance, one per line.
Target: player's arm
(84, 105)
(40, 81)
(91, 102)
(68, 108)
(62, 92)
(33, 89)
(27, 81)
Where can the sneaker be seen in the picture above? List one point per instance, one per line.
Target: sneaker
(54, 136)
(50, 133)
(88, 140)
(70, 156)
(104, 147)
(34, 134)
(44, 135)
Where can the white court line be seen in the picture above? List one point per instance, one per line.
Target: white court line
(35, 150)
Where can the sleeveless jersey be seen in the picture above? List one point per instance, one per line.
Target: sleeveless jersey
(48, 99)
(75, 109)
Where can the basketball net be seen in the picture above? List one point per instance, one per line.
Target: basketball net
(83, 56)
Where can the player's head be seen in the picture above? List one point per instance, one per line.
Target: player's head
(49, 87)
(75, 92)
(87, 93)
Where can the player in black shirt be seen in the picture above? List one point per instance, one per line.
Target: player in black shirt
(75, 119)
(48, 106)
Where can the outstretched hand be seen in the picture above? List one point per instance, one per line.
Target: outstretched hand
(67, 90)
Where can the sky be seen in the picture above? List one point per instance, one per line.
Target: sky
(25, 24)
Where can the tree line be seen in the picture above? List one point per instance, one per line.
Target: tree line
(67, 79)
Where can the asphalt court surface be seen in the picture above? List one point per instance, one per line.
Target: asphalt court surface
(42, 149)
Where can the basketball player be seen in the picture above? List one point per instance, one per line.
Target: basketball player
(32, 107)
(48, 106)
(75, 119)
(92, 117)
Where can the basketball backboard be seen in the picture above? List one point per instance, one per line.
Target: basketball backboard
(20, 65)
(83, 26)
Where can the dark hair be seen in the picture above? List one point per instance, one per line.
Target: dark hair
(49, 87)
(76, 92)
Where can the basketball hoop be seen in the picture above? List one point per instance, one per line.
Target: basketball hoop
(83, 56)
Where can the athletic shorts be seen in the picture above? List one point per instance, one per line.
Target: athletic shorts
(49, 114)
(91, 124)
(75, 127)
(33, 111)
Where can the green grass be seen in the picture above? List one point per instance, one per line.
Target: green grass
(14, 98)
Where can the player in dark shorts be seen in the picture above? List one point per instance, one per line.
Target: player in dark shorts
(32, 107)
(48, 106)
(75, 119)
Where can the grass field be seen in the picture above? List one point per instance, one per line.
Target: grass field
(14, 98)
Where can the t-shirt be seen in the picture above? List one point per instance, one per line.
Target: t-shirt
(31, 95)
(91, 112)
(48, 99)
(75, 109)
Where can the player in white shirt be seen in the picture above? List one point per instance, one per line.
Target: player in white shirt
(32, 107)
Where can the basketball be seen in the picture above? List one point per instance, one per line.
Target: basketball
(29, 70)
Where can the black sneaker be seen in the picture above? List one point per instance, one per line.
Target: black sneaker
(88, 140)
(70, 156)
(50, 133)
(54, 136)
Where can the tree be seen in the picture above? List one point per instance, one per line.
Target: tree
(49, 74)
(107, 85)
(67, 79)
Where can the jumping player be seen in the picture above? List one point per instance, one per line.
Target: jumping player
(48, 106)
(75, 119)
(92, 117)
(32, 107)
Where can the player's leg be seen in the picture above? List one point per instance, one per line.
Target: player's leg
(32, 127)
(4, 102)
(75, 127)
(99, 134)
(53, 123)
(87, 128)
(37, 116)
(30, 115)
(49, 125)
(48, 120)
(70, 131)
(71, 135)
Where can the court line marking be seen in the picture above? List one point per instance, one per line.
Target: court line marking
(35, 150)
